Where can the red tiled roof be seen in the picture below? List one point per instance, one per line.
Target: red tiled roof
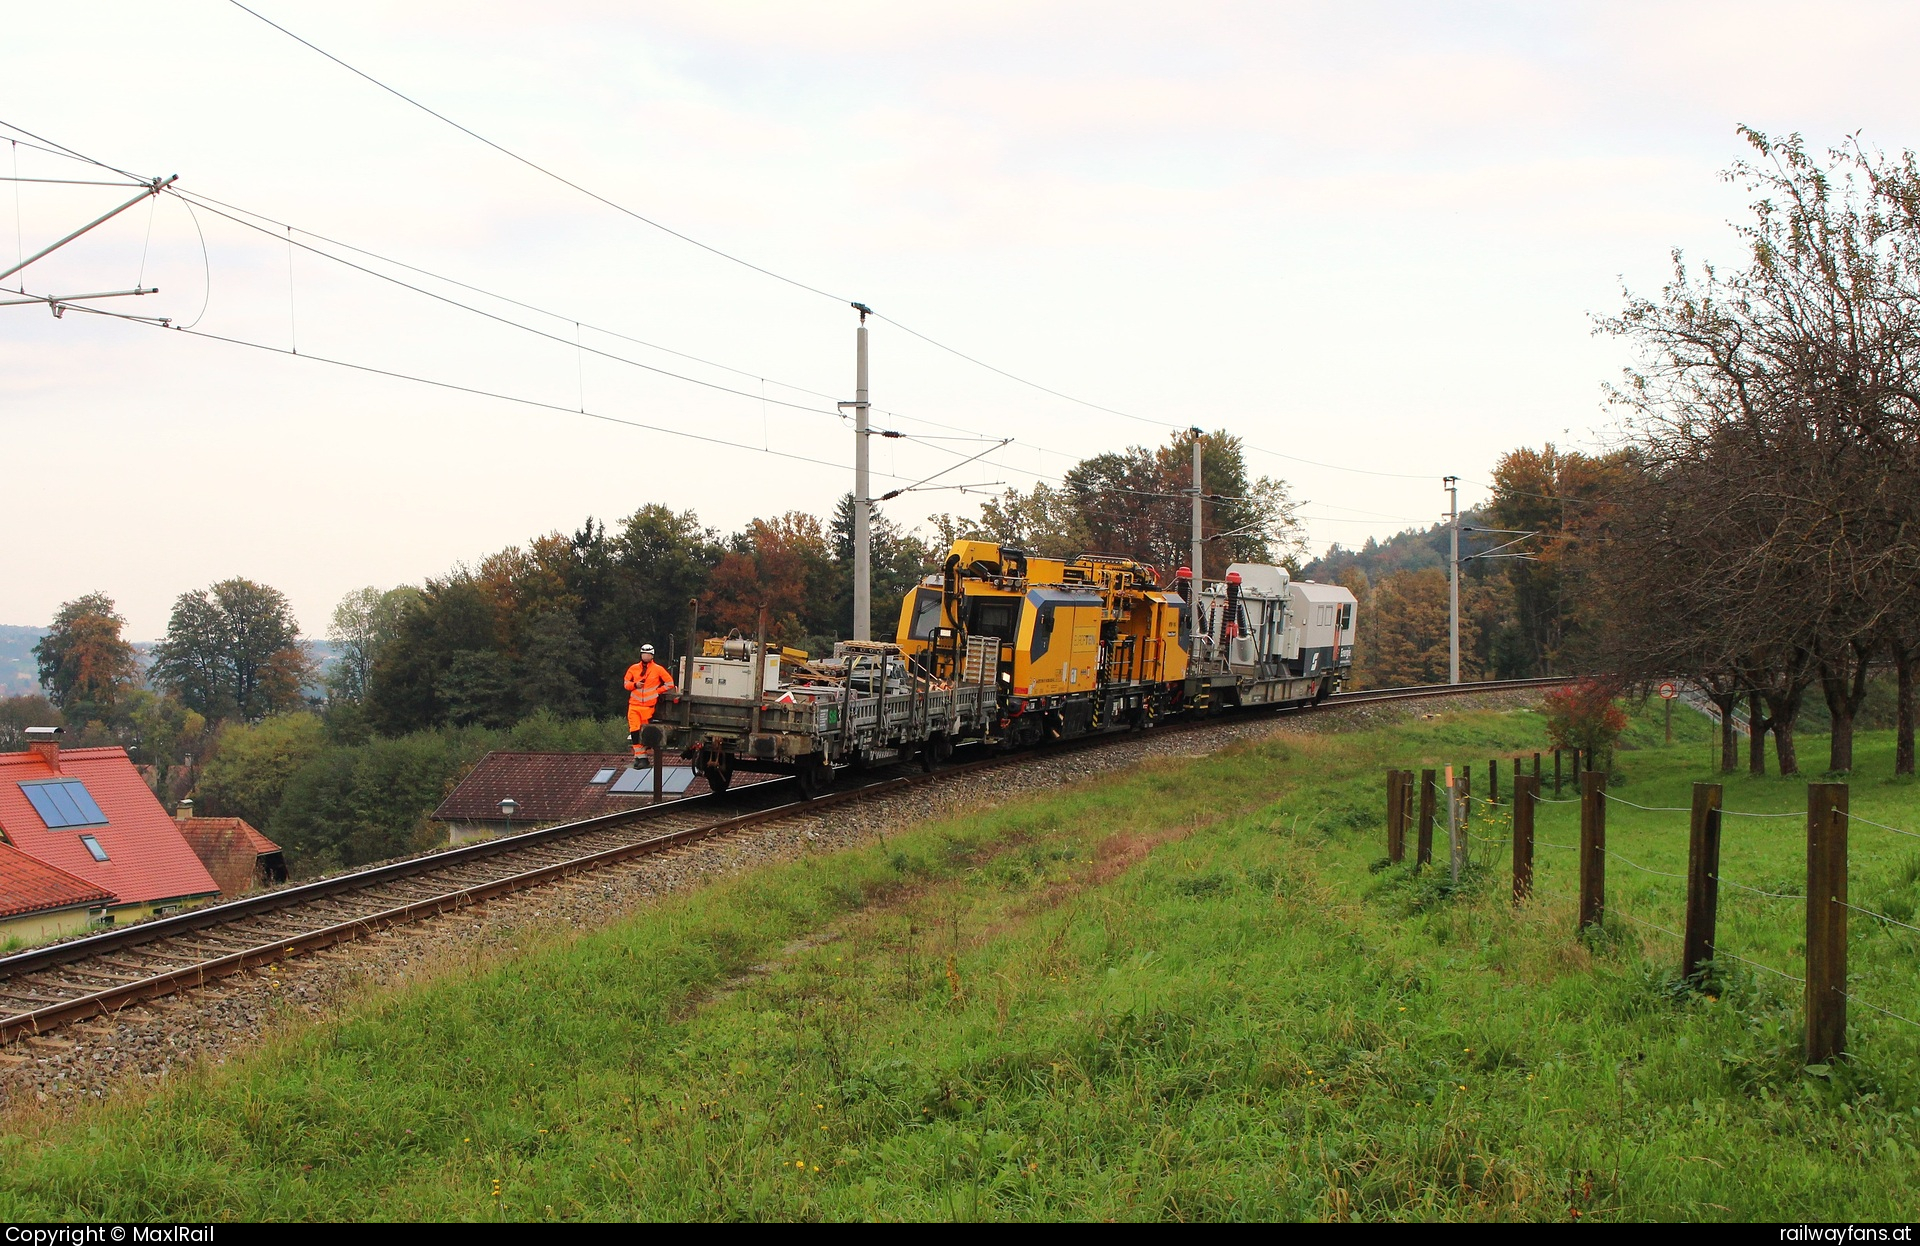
(258, 842)
(550, 787)
(30, 886)
(230, 849)
(146, 857)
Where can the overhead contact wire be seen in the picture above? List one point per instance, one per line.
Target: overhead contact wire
(470, 389)
(538, 168)
(725, 255)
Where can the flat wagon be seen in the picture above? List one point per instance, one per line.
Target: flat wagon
(750, 708)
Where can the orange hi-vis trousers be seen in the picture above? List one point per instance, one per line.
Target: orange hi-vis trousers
(645, 682)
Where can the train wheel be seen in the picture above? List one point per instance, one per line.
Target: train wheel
(815, 779)
(717, 777)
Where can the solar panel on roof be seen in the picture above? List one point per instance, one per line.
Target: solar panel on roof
(673, 780)
(601, 776)
(63, 802)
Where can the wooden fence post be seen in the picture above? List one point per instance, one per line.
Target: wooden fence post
(1402, 814)
(1456, 822)
(1593, 848)
(1493, 782)
(1556, 774)
(1396, 841)
(1525, 793)
(1464, 794)
(1391, 773)
(1425, 847)
(1703, 882)
(1826, 921)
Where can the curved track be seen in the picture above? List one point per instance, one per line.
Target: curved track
(46, 988)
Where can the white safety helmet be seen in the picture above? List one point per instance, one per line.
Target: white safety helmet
(646, 650)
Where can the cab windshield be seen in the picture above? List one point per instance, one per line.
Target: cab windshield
(926, 614)
(994, 616)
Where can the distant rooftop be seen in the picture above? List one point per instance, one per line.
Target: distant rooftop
(555, 787)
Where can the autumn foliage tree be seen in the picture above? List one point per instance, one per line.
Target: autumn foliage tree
(1563, 499)
(1776, 410)
(86, 666)
(1585, 715)
(1137, 502)
(783, 564)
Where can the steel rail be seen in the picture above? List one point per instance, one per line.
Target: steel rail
(112, 999)
(126, 993)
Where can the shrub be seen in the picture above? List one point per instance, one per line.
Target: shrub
(251, 766)
(1583, 715)
(368, 802)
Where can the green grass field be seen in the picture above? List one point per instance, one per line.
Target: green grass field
(1190, 991)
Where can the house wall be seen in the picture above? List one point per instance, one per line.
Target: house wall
(32, 928)
(226, 852)
(467, 832)
(127, 914)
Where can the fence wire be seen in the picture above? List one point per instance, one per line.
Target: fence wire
(1854, 817)
(1649, 925)
(1621, 800)
(1888, 1012)
(1717, 952)
(1757, 965)
(1773, 895)
(1492, 803)
(1642, 868)
(1879, 916)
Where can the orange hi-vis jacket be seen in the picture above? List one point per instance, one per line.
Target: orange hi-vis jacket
(645, 682)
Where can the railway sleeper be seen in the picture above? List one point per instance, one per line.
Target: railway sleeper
(86, 972)
(32, 999)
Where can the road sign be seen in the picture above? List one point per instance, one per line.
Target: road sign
(1668, 692)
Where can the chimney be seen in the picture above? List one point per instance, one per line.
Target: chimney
(44, 743)
(185, 808)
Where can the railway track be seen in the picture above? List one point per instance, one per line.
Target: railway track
(43, 989)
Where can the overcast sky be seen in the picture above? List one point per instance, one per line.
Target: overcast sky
(1368, 235)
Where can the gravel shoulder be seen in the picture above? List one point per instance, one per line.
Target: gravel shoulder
(138, 1047)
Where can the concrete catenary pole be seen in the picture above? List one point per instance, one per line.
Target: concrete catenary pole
(862, 494)
(1452, 485)
(1199, 543)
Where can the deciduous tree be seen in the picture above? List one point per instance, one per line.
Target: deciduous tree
(86, 666)
(233, 650)
(364, 624)
(1789, 389)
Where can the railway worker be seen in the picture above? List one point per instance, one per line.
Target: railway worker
(646, 680)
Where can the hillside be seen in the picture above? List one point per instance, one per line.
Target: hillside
(19, 672)
(1189, 991)
(1411, 550)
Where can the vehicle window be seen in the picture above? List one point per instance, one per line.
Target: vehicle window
(1042, 631)
(926, 614)
(995, 617)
